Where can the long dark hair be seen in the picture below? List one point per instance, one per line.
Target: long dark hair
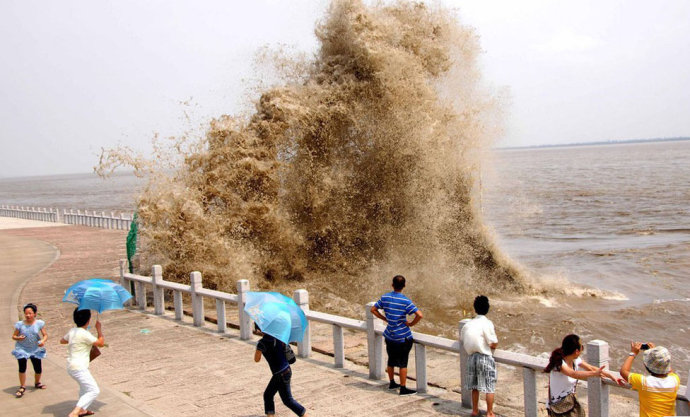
(570, 344)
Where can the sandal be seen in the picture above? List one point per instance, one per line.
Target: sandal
(40, 385)
(20, 392)
(87, 413)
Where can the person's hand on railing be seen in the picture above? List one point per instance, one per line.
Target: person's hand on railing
(618, 380)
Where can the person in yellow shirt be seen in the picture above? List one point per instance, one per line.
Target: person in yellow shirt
(658, 390)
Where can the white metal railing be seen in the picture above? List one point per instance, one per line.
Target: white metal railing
(597, 350)
(102, 220)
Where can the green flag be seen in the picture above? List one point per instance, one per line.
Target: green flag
(132, 242)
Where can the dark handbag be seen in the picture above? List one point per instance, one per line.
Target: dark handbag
(289, 354)
(566, 407)
(566, 404)
(95, 352)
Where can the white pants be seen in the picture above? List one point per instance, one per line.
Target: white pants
(88, 389)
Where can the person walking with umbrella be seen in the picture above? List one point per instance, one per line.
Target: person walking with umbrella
(280, 321)
(90, 294)
(274, 351)
(80, 341)
(30, 337)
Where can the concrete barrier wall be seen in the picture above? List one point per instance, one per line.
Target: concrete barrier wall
(597, 350)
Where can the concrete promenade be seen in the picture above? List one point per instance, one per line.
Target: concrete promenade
(21, 260)
(155, 366)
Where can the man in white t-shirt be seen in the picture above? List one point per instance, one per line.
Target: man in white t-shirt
(479, 340)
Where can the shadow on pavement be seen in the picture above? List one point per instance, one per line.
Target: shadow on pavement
(63, 408)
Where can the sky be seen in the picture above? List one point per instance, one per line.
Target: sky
(78, 76)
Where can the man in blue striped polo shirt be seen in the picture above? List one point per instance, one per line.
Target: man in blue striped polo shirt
(398, 335)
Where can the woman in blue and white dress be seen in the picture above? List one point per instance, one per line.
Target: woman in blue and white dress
(30, 337)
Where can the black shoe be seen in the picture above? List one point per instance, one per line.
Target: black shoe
(405, 391)
(393, 385)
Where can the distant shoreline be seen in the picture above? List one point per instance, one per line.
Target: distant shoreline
(597, 143)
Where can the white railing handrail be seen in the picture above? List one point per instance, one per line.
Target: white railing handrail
(531, 365)
(344, 322)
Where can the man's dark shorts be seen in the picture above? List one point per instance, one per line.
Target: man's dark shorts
(398, 352)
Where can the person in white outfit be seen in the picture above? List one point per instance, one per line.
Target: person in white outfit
(479, 340)
(80, 341)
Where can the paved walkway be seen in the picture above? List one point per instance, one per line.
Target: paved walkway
(156, 366)
(160, 367)
(22, 259)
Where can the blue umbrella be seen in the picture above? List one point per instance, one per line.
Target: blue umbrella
(97, 294)
(277, 315)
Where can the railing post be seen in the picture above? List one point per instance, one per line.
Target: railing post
(338, 346)
(123, 268)
(683, 407)
(597, 392)
(177, 301)
(158, 294)
(140, 294)
(245, 320)
(301, 297)
(220, 316)
(197, 300)
(529, 386)
(123, 281)
(466, 394)
(374, 345)
(420, 365)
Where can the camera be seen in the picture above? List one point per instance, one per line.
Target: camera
(644, 346)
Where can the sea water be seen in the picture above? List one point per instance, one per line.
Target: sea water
(610, 224)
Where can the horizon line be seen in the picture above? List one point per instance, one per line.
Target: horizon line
(497, 148)
(595, 143)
